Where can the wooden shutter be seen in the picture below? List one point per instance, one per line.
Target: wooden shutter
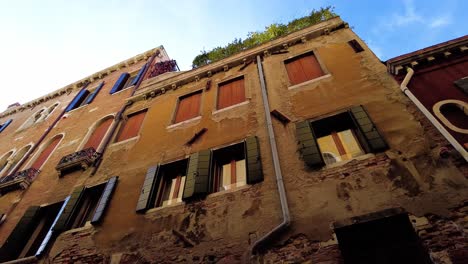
(20, 234)
(46, 153)
(77, 100)
(303, 68)
(231, 93)
(253, 160)
(7, 123)
(131, 127)
(104, 200)
(65, 218)
(374, 140)
(45, 241)
(120, 83)
(139, 75)
(308, 146)
(198, 174)
(189, 107)
(462, 84)
(148, 191)
(93, 95)
(98, 134)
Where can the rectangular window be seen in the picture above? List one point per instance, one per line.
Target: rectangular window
(231, 92)
(131, 127)
(172, 182)
(229, 170)
(355, 45)
(87, 205)
(188, 107)
(303, 68)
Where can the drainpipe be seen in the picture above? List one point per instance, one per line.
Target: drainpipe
(34, 147)
(279, 177)
(118, 117)
(434, 121)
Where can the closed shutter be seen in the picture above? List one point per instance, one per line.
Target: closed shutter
(139, 75)
(131, 127)
(189, 107)
(64, 220)
(7, 123)
(77, 100)
(120, 83)
(308, 146)
(46, 153)
(98, 134)
(20, 234)
(374, 140)
(303, 68)
(198, 174)
(104, 200)
(231, 93)
(253, 160)
(93, 95)
(45, 241)
(148, 191)
(462, 84)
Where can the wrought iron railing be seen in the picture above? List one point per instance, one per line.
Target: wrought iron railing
(162, 67)
(18, 180)
(80, 159)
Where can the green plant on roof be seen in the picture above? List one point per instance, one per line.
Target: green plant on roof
(256, 38)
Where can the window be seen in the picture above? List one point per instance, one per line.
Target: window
(229, 169)
(388, 240)
(98, 134)
(355, 45)
(31, 233)
(125, 80)
(188, 107)
(462, 84)
(453, 114)
(4, 161)
(46, 152)
(84, 97)
(18, 157)
(303, 68)
(131, 127)
(231, 92)
(4, 125)
(339, 137)
(205, 172)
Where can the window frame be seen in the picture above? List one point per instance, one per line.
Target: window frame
(326, 72)
(215, 178)
(229, 79)
(200, 109)
(42, 147)
(158, 202)
(93, 128)
(132, 75)
(123, 123)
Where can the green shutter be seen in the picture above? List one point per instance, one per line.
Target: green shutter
(104, 200)
(63, 222)
(198, 174)
(148, 191)
(374, 140)
(20, 234)
(253, 160)
(308, 146)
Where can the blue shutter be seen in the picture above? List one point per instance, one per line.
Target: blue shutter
(5, 125)
(104, 200)
(91, 97)
(77, 100)
(120, 83)
(139, 75)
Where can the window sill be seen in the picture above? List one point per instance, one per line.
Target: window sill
(31, 259)
(231, 190)
(87, 226)
(125, 141)
(299, 85)
(73, 110)
(343, 162)
(188, 121)
(230, 107)
(126, 88)
(157, 209)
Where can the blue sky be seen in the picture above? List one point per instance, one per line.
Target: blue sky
(46, 45)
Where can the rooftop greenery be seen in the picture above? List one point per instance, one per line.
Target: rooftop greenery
(256, 38)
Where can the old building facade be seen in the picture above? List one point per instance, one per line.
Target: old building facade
(284, 152)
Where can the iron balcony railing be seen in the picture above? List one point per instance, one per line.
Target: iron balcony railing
(19, 180)
(78, 160)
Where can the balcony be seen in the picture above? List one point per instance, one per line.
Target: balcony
(162, 67)
(79, 160)
(19, 180)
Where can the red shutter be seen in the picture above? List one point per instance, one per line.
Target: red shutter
(98, 134)
(231, 93)
(303, 68)
(131, 128)
(189, 107)
(46, 153)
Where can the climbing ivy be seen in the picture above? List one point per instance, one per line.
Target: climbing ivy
(256, 38)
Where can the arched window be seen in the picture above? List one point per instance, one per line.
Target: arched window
(4, 161)
(45, 152)
(98, 133)
(453, 113)
(49, 111)
(19, 155)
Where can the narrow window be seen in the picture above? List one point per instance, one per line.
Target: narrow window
(120, 83)
(229, 170)
(355, 45)
(172, 184)
(4, 160)
(45, 153)
(188, 107)
(231, 92)
(131, 127)
(87, 205)
(303, 68)
(98, 134)
(18, 157)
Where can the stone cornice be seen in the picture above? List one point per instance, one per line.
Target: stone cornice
(78, 84)
(161, 84)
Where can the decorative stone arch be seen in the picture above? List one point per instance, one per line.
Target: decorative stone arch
(57, 139)
(4, 159)
(49, 111)
(34, 118)
(93, 128)
(19, 156)
(437, 109)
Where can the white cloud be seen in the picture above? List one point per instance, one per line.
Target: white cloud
(440, 21)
